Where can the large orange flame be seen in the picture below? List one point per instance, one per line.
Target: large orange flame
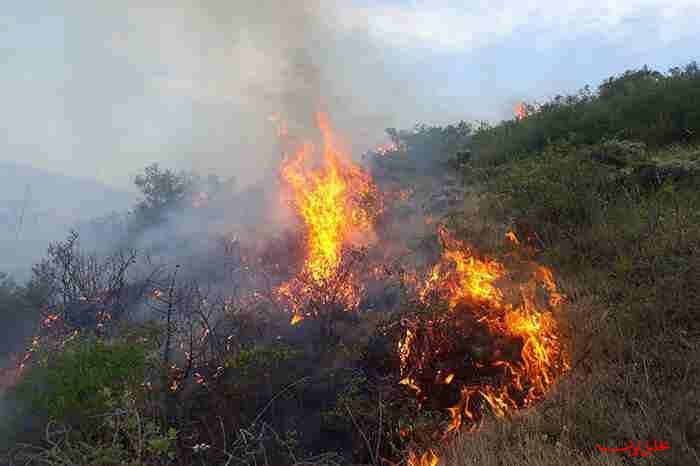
(336, 202)
(475, 289)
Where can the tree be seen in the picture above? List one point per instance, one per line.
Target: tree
(162, 190)
(89, 290)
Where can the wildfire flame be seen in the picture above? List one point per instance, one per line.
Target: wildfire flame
(336, 200)
(386, 148)
(510, 236)
(508, 353)
(520, 111)
(429, 458)
(486, 351)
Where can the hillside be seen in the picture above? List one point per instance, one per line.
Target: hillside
(522, 293)
(37, 207)
(604, 185)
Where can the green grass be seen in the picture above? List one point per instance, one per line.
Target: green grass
(627, 253)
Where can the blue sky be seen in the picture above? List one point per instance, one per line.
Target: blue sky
(101, 89)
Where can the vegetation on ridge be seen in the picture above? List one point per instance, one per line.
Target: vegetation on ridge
(601, 186)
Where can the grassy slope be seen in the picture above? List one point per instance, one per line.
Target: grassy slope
(620, 222)
(606, 188)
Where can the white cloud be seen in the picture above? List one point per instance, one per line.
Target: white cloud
(459, 25)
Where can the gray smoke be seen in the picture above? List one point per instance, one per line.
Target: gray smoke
(234, 64)
(192, 85)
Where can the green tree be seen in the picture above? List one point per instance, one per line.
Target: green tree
(162, 190)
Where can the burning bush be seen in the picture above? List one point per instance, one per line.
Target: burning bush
(473, 344)
(338, 204)
(237, 376)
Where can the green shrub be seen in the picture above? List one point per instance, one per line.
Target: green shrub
(560, 186)
(642, 105)
(260, 359)
(255, 374)
(70, 386)
(124, 435)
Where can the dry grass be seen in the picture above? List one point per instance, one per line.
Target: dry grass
(524, 443)
(601, 406)
(632, 330)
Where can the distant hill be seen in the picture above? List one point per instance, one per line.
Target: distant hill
(37, 206)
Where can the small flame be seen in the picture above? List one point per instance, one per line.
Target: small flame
(547, 278)
(428, 458)
(520, 111)
(49, 320)
(461, 411)
(384, 149)
(405, 194)
(296, 318)
(512, 238)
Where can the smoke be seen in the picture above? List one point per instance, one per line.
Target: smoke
(198, 81)
(239, 66)
(190, 85)
(193, 85)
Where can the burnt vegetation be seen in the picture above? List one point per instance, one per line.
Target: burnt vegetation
(156, 350)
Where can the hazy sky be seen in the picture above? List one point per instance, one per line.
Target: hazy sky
(102, 88)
